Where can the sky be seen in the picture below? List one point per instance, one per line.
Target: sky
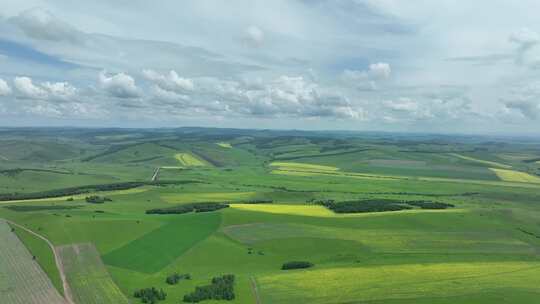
(449, 66)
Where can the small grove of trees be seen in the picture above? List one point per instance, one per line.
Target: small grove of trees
(96, 199)
(221, 288)
(174, 278)
(150, 295)
(186, 208)
(296, 265)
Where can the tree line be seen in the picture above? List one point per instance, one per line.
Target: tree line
(87, 189)
(190, 207)
(30, 208)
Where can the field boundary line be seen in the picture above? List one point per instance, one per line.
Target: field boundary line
(255, 290)
(67, 292)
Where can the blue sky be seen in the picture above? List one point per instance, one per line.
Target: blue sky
(419, 65)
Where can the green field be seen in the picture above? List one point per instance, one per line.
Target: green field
(158, 248)
(482, 248)
(88, 278)
(446, 282)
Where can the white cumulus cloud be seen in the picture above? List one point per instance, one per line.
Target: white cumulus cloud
(27, 88)
(284, 96)
(119, 85)
(170, 81)
(54, 91)
(4, 88)
(61, 90)
(525, 100)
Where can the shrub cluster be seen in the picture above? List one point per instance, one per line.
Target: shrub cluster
(296, 265)
(174, 278)
(150, 295)
(96, 199)
(221, 288)
(380, 205)
(186, 208)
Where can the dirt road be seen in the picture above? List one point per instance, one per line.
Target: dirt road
(65, 285)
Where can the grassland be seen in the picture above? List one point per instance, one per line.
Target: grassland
(89, 281)
(484, 250)
(22, 281)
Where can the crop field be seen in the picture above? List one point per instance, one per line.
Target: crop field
(286, 209)
(516, 176)
(302, 166)
(188, 160)
(22, 281)
(440, 219)
(88, 278)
